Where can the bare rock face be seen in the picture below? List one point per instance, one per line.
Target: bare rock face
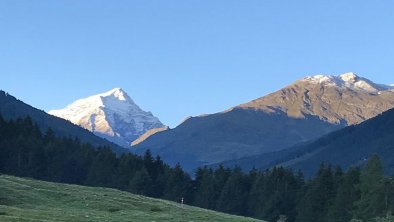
(346, 98)
(112, 115)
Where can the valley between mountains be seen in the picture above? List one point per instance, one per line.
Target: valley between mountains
(319, 149)
(302, 111)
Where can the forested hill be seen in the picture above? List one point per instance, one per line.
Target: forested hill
(12, 108)
(27, 152)
(351, 146)
(330, 196)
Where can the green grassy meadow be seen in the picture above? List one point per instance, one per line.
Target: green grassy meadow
(32, 200)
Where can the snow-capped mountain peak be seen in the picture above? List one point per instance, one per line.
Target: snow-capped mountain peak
(348, 80)
(112, 115)
(349, 77)
(117, 93)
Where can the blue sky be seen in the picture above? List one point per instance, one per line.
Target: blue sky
(185, 58)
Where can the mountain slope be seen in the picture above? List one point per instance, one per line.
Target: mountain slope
(302, 111)
(231, 135)
(12, 108)
(149, 133)
(112, 115)
(33, 200)
(351, 146)
(346, 98)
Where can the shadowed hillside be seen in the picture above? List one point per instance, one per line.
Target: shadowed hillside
(300, 112)
(12, 108)
(350, 146)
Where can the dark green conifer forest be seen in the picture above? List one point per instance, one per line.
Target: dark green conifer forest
(332, 195)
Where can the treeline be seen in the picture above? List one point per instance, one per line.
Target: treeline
(331, 196)
(26, 152)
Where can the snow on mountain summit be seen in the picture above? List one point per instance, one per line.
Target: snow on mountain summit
(112, 115)
(348, 80)
(337, 99)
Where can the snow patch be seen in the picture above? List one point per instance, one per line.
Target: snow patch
(348, 80)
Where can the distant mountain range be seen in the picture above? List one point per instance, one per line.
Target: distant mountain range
(300, 112)
(112, 115)
(282, 128)
(12, 108)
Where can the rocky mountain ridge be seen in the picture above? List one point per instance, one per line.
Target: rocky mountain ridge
(346, 98)
(301, 111)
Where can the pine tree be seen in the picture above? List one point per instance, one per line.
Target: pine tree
(103, 168)
(372, 201)
(275, 193)
(257, 196)
(140, 182)
(319, 196)
(221, 176)
(348, 193)
(158, 180)
(234, 195)
(178, 185)
(204, 193)
(124, 171)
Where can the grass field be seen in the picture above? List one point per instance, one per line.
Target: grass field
(32, 200)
